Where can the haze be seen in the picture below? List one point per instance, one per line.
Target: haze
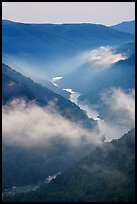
(107, 13)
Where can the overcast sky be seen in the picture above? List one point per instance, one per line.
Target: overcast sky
(107, 13)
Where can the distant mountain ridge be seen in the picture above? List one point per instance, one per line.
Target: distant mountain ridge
(127, 26)
(39, 45)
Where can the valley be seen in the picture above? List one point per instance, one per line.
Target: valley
(74, 99)
(68, 112)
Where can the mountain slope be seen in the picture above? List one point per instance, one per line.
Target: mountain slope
(93, 78)
(23, 165)
(57, 35)
(128, 27)
(54, 88)
(127, 49)
(45, 46)
(107, 175)
(15, 85)
(121, 74)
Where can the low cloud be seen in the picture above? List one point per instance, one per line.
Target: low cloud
(104, 57)
(28, 124)
(120, 104)
(119, 108)
(118, 111)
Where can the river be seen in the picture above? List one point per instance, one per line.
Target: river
(74, 99)
(55, 79)
(104, 127)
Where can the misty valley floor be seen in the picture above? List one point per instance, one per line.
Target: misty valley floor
(68, 112)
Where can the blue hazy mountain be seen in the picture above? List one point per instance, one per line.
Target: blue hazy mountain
(127, 26)
(44, 36)
(126, 49)
(91, 81)
(106, 175)
(26, 166)
(121, 74)
(43, 51)
(43, 46)
(15, 85)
